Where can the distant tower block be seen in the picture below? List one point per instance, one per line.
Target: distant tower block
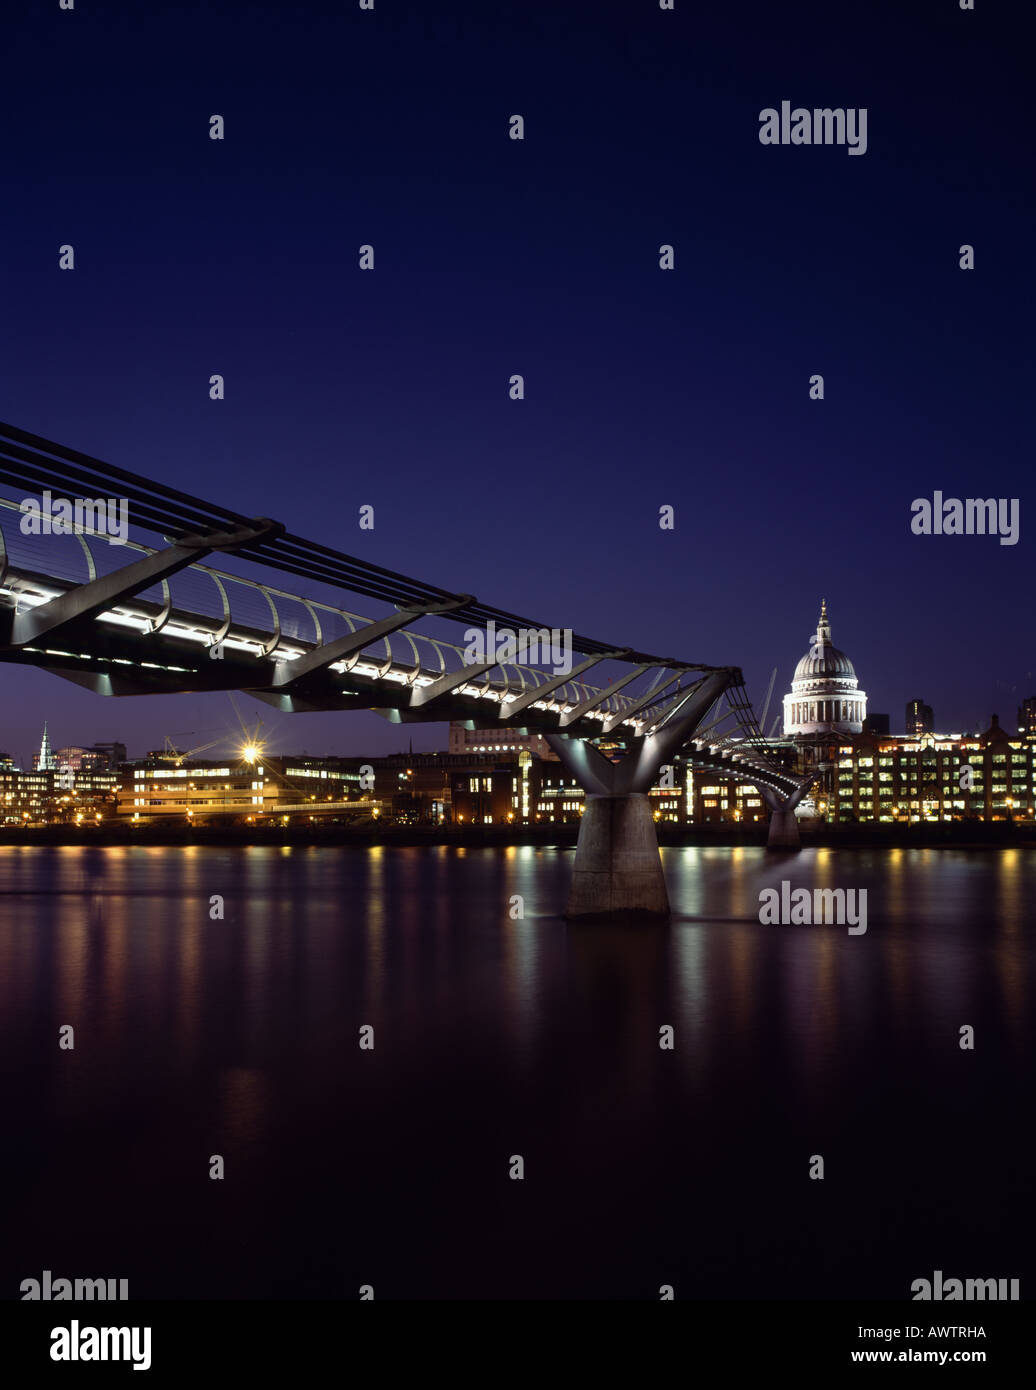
(919, 718)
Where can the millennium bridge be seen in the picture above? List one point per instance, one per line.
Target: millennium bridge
(132, 618)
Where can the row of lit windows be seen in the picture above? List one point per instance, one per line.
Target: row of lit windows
(321, 773)
(196, 773)
(930, 817)
(198, 802)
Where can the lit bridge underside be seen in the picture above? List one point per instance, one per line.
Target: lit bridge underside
(137, 619)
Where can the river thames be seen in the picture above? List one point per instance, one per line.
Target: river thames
(197, 1035)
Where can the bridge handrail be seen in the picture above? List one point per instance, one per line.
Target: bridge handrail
(569, 695)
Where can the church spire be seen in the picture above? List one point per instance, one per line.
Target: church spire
(46, 758)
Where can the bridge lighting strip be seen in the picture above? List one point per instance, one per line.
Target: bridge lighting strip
(31, 600)
(123, 617)
(110, 660)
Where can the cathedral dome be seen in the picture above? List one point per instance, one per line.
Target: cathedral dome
(825, 695)
(822, 659)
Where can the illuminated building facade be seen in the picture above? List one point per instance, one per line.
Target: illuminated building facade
(243, 791)
(499, 740)
(82, 759)
(498, 791)
(935, 777)
(527, 793)
(55, 797)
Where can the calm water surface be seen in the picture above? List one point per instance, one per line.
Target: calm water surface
(495, 1037)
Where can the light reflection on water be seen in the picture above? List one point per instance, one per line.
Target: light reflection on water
(499, 1033)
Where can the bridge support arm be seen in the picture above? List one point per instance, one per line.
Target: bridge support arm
(595, 773)
(86, 601)
(650, 753)
(784, 826)
(514, 704)
(618, 869)
(453, 680)
(599, 697)
(330, 652)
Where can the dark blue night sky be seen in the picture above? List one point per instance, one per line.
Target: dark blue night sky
(540, 257)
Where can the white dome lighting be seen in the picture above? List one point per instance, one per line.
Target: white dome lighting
(824, 695)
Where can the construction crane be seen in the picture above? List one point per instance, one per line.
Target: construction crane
(173, 754)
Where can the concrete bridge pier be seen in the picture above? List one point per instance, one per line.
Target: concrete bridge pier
(784, 830)
(618, 869)
(784, 825)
